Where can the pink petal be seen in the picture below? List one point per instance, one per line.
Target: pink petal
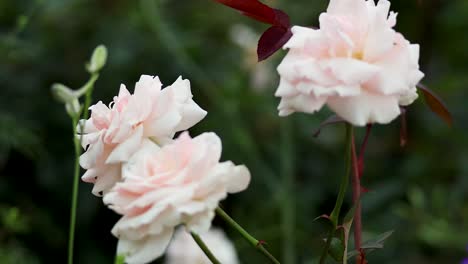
(126, 149)
(350, 71)
(300, 103)
(146, 250)
(366, 108)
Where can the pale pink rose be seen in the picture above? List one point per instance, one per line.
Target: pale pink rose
(114, 133)
(355, 63)
(184, 250)
(180, 183)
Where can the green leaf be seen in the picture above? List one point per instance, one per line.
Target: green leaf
(347, 223)
(336, 249)
(372, 244)
(377, 242)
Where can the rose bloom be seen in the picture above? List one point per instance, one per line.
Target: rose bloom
(184, 250)
(113, 133)
(180, 183)
(355, 63)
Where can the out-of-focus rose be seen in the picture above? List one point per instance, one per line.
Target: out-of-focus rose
(184, 250)
(355, 63)
(180, 183)
(114, 133)
(260, 73)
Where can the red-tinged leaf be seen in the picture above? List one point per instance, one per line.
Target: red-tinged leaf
(282, 19)
(275, 36)
(324, 216)
(403, 128)
(346, 226)
(258, 11)
(436, 104)
(272, 40)
(334, 119)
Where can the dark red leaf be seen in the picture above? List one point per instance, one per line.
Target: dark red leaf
(282, 19)
(334, 119)
(257, 10)
(436, 104)
(275, 36)
(272, 40)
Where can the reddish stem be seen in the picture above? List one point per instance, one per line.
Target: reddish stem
(356, 199)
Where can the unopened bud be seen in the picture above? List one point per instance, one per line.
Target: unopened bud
(98, 59)
(73, 108)
(62, 93)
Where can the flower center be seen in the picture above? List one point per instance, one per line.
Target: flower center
(358, 55)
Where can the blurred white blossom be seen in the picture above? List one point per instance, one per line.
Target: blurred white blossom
(184, 250)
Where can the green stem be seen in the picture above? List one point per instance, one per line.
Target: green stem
(204, 248)
(341, 194)
(120, 259)
(88, 88)
(252, 241)
(85, 89)
(74, 203)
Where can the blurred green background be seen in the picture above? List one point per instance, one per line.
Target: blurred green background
(419, 191)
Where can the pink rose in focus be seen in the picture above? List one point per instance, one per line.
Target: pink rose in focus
(113, 134)
(180, 183)
(184, 250)
(355, 63)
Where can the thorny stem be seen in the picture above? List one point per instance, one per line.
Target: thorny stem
(252, 241)
(356, 200)
(341, 194)
(204, 248)
(77, 144)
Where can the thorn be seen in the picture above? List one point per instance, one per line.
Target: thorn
(364, 190)
(261, 243)
(362, 256)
